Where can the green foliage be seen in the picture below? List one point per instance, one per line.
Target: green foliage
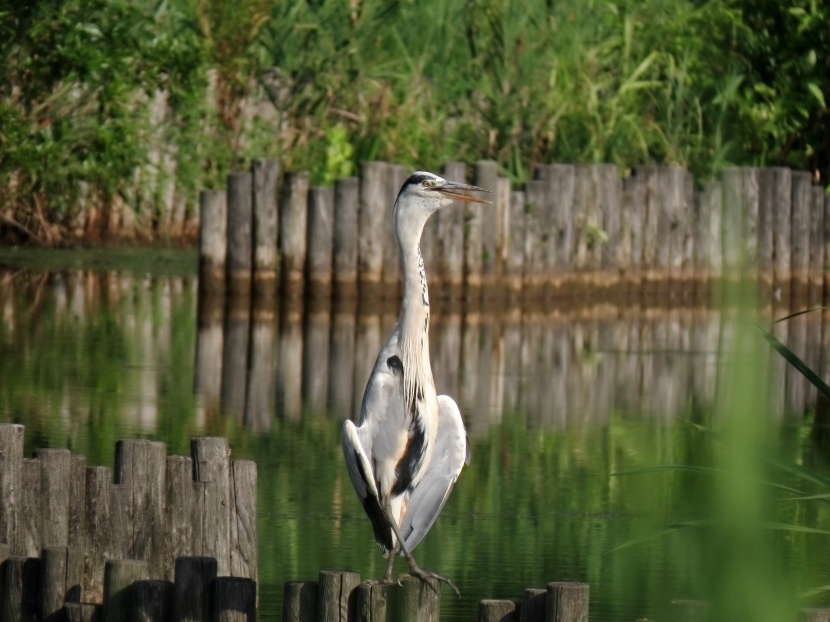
(701, 84)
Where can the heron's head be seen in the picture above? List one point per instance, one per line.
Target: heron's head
(431, 192)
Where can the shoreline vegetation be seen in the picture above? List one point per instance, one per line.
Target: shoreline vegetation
(116, 113)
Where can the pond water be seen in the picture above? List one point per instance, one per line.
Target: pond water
(558, 404)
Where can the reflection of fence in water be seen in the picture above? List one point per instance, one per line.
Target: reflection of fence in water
(278, 358)
(558, 368)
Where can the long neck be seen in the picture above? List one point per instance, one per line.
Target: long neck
(414, 318)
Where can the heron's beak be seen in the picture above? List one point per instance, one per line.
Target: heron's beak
(452, 189)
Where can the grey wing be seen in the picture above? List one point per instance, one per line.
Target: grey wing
(452, 451)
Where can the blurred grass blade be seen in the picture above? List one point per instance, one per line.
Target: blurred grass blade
(793, 359)
(769, 525)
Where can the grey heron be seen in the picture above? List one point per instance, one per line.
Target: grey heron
(410, 445)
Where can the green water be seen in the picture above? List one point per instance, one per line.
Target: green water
(556, 404)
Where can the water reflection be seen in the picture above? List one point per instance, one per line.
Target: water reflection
(554, 399)
(255, 361)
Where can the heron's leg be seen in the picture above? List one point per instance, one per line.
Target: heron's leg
(414, 568)
(390, 564)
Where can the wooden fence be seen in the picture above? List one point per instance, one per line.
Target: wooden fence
(71, 533)
(570, 228)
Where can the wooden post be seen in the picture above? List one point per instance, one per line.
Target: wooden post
(632, 208)
(609, 188)
(346, 202)
(373, 222)
(31, 508)
(244, 520)
(514, 260)
(299, 602)
(154, 600)
(120, 602)
(11, 481)
(240, 223)
(535, 268)
(211, 467)
(98, 531)
(213, 241)
(193, 589)
(709, 249)
(556, 220)
(534, 608)
(775, 198)
(77, 502)
(55, 491)
(650, 276)
(415, 600)
(265, 226)
(82, 612)
(567, 602)
(395, 178)
(817, 258)
(336, 595)
(800, 234)
(61, 578)
(320, 239)
(491, 610)
(374, 602)
(185, 508)
(141, 466)
(293, 232)
(491, 218)
(234, 600)
(19, 592)
(826, 249)
(447, 275)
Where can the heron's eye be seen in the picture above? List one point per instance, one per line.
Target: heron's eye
(426, 183)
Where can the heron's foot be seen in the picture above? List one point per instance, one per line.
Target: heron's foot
(426, 575)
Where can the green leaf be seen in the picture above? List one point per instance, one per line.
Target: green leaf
(816, 92)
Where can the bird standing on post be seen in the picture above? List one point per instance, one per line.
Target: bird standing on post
(410, 445)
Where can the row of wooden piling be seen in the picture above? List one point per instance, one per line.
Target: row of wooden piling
(340, 595)
(49, 589)
(151, 508)
(568, 228)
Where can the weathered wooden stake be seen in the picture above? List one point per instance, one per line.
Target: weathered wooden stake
(374, 602)
(299, 602)
(567, 602)
(491, 218)
(19, 592)
(55, 494)
(817, 258)
(534, 608)
(800, 234)
(320, 240)
(373, 223)
(31, 507)
(514, 259)
(154, 600)
(395, 178)
(11, 479)
(265, 226)
(140, 465)
(234, 600)
(336, 595)
(633, 207)
(293, 232)
(83, 612)
(415, 600)
(244, 520)
(491, 610)
(61, 578)
(446, 275)
(211, 467)
(240, 240)
(213, 241)
(534, 282)
(346, 203)
(193, 589)
(120, 602)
